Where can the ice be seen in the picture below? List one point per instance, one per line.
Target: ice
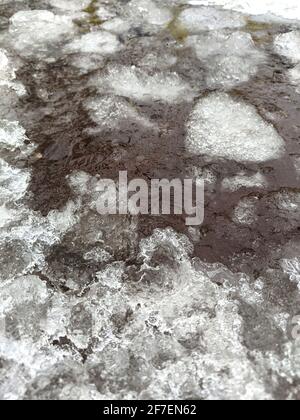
(13, 138)
(198, 19)
(230, 58)
(150, 12)
(243, 181)
(111, 112)
(245, 212)
(109, 307)
(13, 183)
(288, 45)
(70, 5)
(288, 9)
(223, 127)
(100, 42)
(292, 268)
(22, 291)
(8, 75)
(294, 76)
(134, 83)
(117, 25)
(34, 32)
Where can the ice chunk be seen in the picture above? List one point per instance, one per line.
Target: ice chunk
(245, 212)
(292, 268)
(243, 181)
(22, 291)
(13, 138)
(294, 76)
(156, 60)
(220, 126)
(135, 83)
(106, 12)
(230, 58)
(288, 45)
(117, 25)
(110, 112)
(70, 5)
(33, 32)
(197, 19)
(13, 182)
(8, 75)
(288, 9)
(100, 42)
(150, 12)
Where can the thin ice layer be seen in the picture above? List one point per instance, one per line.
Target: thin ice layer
(222, 127)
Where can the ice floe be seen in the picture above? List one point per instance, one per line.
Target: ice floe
(72, 6)
(137, 84)
(13, 138)
(149, 11)
(198, 19)
(13, 183)
(288, 45)
(8, 75)
(292, 268)
(101, 42)
(34, 32)
(230, 58)
(245, 212)
(110, 112)
(223, 127)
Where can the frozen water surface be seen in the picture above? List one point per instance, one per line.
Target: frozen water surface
(122, 307)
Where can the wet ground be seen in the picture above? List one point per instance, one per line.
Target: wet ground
(145, 307)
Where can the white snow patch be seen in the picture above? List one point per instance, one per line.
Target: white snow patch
(220, 126)
(13, 137)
